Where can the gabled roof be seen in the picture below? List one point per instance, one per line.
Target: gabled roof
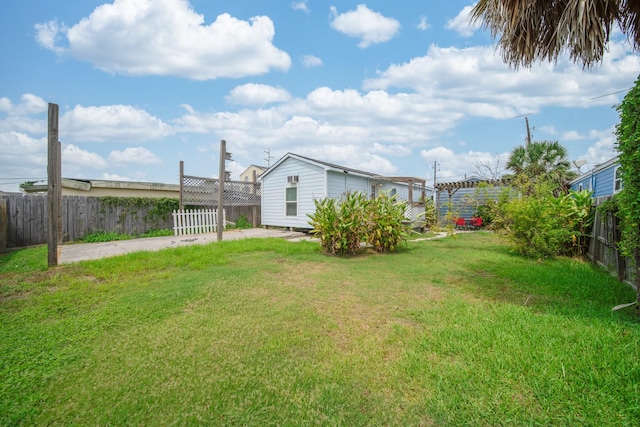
(336, 168)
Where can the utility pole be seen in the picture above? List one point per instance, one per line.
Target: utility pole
(222, 175)
(435, 168)
(526, 120)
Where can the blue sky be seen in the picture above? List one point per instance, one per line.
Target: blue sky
(387, 87)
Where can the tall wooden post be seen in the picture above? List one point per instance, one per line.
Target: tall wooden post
(181, 184)
(254, 210)
(4, 224)
(223, 155)
(54, 189)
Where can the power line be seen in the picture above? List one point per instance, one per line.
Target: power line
(28, 178)
(612, 93)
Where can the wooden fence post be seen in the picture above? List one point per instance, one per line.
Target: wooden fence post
(254, 210)
(4, 224)
(181, 184)
(54, 188)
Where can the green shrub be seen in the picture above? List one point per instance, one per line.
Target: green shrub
(543, 225)
(385, 227)
(339, 224)
(243, 222)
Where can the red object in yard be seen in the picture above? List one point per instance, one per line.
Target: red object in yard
(476, 222)
(460, 222)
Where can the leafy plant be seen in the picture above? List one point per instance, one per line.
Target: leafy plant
(339, 225)
(429, 217)
(243, 222)
(628, 144)
(543, 225)
(385, 223)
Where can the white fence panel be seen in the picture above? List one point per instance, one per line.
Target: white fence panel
(196, 221)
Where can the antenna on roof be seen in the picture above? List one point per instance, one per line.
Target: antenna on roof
(578, 164)
(269, 157)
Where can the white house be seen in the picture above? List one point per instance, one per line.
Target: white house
(291, 185)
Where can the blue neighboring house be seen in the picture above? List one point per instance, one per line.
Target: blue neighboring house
(602, 180)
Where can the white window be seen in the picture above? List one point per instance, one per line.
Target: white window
(291, 201)
(617, 180)
(374, 191)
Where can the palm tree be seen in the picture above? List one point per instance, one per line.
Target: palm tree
(532, 30)
(542, 161)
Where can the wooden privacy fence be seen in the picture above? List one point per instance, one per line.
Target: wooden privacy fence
(603, 245)
(196, 221)
(26, 218)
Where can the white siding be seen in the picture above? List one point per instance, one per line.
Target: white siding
(311, 184)
(402, 189)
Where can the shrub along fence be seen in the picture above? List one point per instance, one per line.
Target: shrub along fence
(603, 245)
(25, 217)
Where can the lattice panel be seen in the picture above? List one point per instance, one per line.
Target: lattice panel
(198, 191)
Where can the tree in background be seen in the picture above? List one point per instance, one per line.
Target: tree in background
(541, 161)
(540, 30)
(628, 144)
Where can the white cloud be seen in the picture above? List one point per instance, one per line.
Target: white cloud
(134, 155)
(23, 158)
(300, 5)
(48, 35)
(571, 136)
(423, 25)
(114, 177)
(601, 151)
(257, 94)
(311, 61)
(20, 117)
(450, 165)
(74, 158)
(461, 23)
(167, 37)
(113, 123)
(363, 23)
(478, 78)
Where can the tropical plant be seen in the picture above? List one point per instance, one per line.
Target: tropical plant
(545, 225)
(532, 31)
(628, 144)
(429, 217)
(385, 223)
(541, 161)
(339, 224)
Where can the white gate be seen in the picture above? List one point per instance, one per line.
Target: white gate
(196, 221)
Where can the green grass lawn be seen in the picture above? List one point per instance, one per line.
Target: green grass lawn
(457, 331)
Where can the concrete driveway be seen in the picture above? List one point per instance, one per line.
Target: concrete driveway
(86, 251)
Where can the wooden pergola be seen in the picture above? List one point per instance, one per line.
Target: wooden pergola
(411, 181)
(452, 187)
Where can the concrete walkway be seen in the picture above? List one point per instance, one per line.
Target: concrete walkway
(86, 251)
